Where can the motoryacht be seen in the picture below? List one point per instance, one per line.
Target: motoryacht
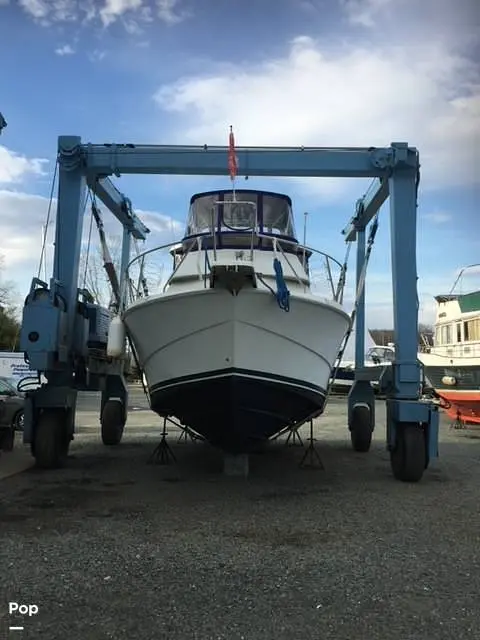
(452, 366)
(237, 345)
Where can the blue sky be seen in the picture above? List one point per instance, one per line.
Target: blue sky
(317, 72)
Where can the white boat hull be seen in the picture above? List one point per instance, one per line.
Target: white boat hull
(236, 369)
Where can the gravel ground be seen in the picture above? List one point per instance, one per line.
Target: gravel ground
(111, 547)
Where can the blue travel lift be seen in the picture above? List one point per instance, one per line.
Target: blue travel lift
(64, 334)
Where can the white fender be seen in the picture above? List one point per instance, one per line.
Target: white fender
(116, 338)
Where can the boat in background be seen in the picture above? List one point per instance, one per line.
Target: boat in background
(452, 367)
(237, 346)
(377, 357)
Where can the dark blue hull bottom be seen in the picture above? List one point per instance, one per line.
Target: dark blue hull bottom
(345, 375)
(235, 410)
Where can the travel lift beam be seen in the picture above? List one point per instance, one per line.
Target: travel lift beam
(53, 331)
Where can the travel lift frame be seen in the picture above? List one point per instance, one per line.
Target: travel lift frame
(64, 334)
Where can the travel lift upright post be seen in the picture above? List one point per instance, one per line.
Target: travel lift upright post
(53, 333)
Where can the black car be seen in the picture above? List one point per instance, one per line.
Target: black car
(11, 412)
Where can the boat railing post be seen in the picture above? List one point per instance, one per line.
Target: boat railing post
(214, 235)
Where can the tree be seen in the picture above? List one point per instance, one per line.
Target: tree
(9, 325)
(92, 274)
(384, 336)
(93, 277)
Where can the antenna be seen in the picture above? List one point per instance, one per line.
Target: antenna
(305, 215)
(470, 266)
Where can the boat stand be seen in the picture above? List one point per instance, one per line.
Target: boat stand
(293, 438)
(458, 423)
(311, 458)
(185, 436)
(162, 454)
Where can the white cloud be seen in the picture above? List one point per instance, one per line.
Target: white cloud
(365, 12)
(14, 167)
(21, 229)
(113, 9)
(379, 301)
(96, 55)
(353, 96)
(169, 12)
(132, 13)
(66, 50)
(36, 8)
(437, 217)
(45, 12)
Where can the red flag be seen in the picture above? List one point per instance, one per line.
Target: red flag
(232, 158)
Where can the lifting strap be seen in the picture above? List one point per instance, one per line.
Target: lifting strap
(360, 288)
(107, 258)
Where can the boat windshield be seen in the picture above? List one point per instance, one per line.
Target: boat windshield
(242, 211)
(380, 354)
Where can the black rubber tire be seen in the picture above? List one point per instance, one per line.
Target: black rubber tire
(112, 422)
(7, 439)
(409, 458)
(18, 421)
(50, 444)
(361, 429)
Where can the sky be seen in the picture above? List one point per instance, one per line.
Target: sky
(282, 72)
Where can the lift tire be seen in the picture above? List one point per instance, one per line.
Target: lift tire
(112, 423)
(361, 429)
(50, 442)
(409, 458)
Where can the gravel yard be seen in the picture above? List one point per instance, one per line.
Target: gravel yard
(111, 547)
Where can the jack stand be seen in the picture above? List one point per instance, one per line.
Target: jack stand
(186, 436)
(162, 454)
(294, 438)
(311, 458)
(458, 423)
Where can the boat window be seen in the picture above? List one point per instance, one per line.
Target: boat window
(459, 331)
(277, 216)
(202, 216)
(446, 334)
(471, 330)
(438, 337)
(449, 334)
(376, 354)
(239, 215)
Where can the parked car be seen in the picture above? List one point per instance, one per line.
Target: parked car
(11, 413)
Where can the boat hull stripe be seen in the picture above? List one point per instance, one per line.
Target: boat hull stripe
(234, 371)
